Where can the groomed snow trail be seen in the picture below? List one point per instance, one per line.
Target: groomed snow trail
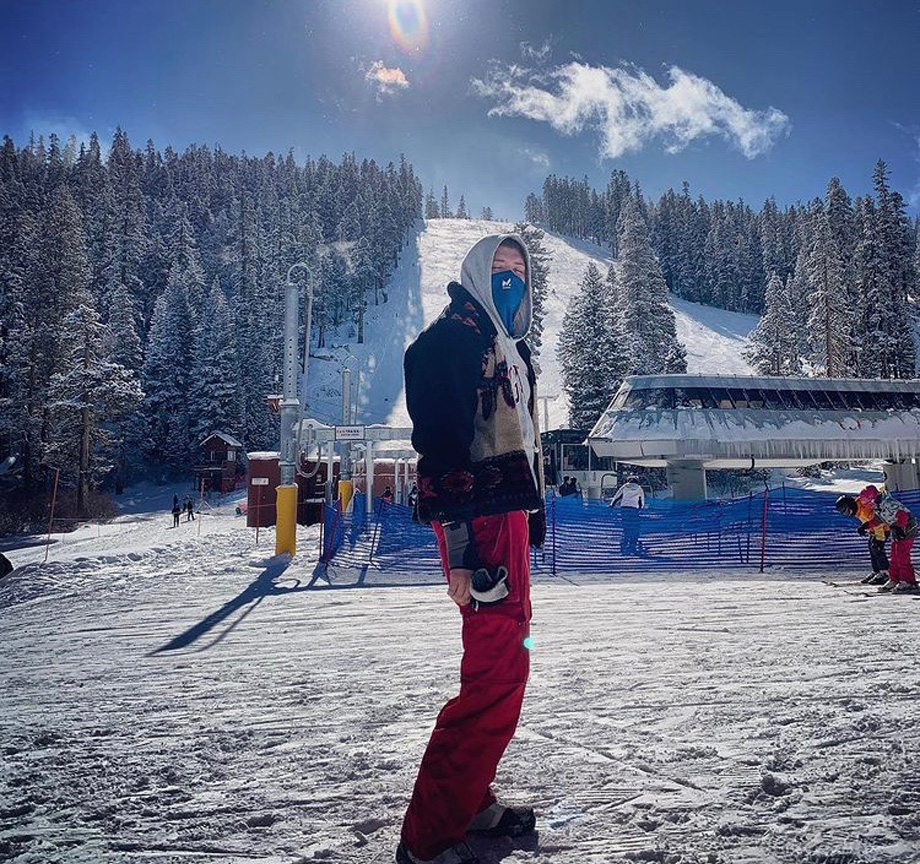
(186, 699)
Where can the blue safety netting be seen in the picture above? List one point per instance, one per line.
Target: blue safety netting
(781, 528)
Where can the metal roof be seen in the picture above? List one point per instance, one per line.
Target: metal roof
(649, 382)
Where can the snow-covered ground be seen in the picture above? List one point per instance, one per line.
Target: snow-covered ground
(417, 294)
(170, 696)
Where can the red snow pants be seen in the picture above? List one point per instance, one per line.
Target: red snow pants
(901, 569)
(474, 728)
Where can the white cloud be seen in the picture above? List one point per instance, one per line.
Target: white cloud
(538, 157)
(387, 81)
(628, 108)
(528, 51)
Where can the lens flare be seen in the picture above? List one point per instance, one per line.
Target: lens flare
(408, 24)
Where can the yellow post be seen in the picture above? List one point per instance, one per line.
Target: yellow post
(286, 521)
(346, 491)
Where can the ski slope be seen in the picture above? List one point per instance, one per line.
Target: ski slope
(417, 294)
(176, 695)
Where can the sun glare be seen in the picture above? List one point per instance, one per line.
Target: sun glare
(408, 24)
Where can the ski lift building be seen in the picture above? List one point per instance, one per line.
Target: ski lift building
(688, 423)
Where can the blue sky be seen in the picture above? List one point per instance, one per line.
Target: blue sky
(741, 99)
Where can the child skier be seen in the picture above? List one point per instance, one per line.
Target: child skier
(847, 505)
(891, 512)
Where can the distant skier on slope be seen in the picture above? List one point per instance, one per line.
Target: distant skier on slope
(631, 498)
(176, 511)
(847, 505)
(471, 393)
(891, 512)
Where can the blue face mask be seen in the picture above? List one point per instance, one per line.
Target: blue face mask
(507, 293)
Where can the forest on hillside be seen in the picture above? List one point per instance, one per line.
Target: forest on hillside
(141, 295)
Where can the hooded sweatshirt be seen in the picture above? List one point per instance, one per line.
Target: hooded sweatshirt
(470, 390)
(476, 277)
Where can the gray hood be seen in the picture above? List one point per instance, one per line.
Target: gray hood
(476, 277)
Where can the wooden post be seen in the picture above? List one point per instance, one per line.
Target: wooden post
(57, 474)
(200, 499)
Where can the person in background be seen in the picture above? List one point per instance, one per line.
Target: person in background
(176, 511)
(387, 495)
(568, 487)
(189, 509)
(847, 505)
(887, 510)
(631, 499)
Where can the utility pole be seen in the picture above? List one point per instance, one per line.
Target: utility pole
(286, 500)
(546, 400)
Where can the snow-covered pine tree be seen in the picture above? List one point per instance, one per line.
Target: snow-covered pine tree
(123, 345)
(773, 347)
(431, 206)
(533, 209)
(85, 395)
(214, 394)
(591, 351)
(647, 320)
(166, 377)
(829, 321)
(540, 260)
(486, 214)
(445, 205)
(461, 208)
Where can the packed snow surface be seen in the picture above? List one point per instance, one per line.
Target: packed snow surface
(170, 695)
(417, 294)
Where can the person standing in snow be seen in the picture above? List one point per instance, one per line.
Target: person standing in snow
(176, 511)
(887, 510)
(189, 509)
(471, 393)
(631, 498)
(847, 505)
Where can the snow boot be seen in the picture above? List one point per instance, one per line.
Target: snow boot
(880, 578)
(498, 820)
(906, 588)
(890, 585)
(459, 854)
(869, 578)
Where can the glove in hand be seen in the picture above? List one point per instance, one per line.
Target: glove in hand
(536, 528)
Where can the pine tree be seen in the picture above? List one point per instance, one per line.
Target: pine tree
(830, 319)
(540, 260)
(214, 394)
(445, 205)
(486, 214)
(461, 209)
(773, 347)
(649, 329)
(166, 378)
(84, 395)
(533, 210)
(590, 351)
(431, 206)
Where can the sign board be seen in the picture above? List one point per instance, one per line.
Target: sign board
(260, 481)
(349, 433)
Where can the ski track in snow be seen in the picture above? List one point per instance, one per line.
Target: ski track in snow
(417, 294)
(170, 697)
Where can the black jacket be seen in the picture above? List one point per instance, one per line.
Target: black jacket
(446, 385)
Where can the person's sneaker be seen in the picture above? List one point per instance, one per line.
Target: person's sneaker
(499, 820)
(906, 588)
(880, 578)
(890, 585)
(459, 854)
